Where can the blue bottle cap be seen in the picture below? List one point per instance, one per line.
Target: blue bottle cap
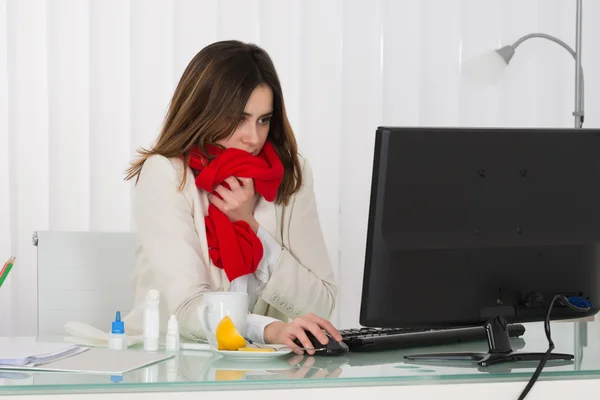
(117, 325)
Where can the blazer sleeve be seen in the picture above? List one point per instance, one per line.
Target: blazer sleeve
(171, 246)
(303, 280)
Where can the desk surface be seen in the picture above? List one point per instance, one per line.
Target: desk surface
(200, 371)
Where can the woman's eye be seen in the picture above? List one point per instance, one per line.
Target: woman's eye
(265, 120)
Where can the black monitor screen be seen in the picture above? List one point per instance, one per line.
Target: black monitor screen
(464, 220)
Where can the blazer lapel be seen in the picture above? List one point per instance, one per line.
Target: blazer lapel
(266, 215)
(200, 224)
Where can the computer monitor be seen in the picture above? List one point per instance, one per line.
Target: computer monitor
(472, 226)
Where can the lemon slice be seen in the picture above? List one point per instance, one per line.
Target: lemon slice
(228, 337)
(257, 350)
(228, 375)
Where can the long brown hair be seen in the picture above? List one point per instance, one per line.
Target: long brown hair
(209, 102)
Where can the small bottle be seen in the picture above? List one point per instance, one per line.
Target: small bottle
(118, 337)
(172, 334)
(151, 321)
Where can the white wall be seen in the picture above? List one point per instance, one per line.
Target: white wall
(85, 82)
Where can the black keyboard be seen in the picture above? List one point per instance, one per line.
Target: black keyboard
(375, 339)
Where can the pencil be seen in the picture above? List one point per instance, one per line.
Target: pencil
(6, 270)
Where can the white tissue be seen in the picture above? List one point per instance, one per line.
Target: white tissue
(86, 335)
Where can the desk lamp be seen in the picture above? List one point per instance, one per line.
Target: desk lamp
(507, 52)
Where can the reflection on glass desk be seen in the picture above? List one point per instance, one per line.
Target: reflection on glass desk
(197, 370)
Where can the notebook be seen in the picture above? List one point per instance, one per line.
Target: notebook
(28, 352)
(100, 361)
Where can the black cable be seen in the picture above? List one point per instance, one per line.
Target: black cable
(542, 363)
(565, 302)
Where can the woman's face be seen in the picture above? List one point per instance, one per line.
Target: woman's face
(253, 129)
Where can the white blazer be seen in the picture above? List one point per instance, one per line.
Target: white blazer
(172, 252)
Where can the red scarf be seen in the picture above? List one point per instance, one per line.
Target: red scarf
(235, 247)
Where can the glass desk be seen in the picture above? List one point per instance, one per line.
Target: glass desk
(204, 371)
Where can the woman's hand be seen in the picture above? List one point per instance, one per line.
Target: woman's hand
(238, 201)
(308, 369)
(284, 333)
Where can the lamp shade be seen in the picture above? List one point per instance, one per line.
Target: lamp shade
(506, 52)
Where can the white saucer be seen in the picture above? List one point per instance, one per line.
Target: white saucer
(233, 364)
(255, 355)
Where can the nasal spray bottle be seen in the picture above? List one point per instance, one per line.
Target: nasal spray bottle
(151, 321)
(172, 339)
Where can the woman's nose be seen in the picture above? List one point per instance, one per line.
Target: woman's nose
(250, 135)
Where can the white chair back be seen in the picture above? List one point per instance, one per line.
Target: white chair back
(83, 276)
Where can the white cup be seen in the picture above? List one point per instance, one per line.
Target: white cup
(216, 305)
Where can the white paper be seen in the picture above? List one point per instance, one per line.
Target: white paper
(28, 351)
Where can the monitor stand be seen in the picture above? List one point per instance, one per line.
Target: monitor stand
(499, 345)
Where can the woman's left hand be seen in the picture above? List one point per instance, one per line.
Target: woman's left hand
(238, 201)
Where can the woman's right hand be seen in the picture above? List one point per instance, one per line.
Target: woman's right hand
(285, 333)
(238, 201)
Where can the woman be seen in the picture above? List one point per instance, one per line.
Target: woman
(226, 118)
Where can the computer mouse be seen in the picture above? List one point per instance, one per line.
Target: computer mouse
(333, 347)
